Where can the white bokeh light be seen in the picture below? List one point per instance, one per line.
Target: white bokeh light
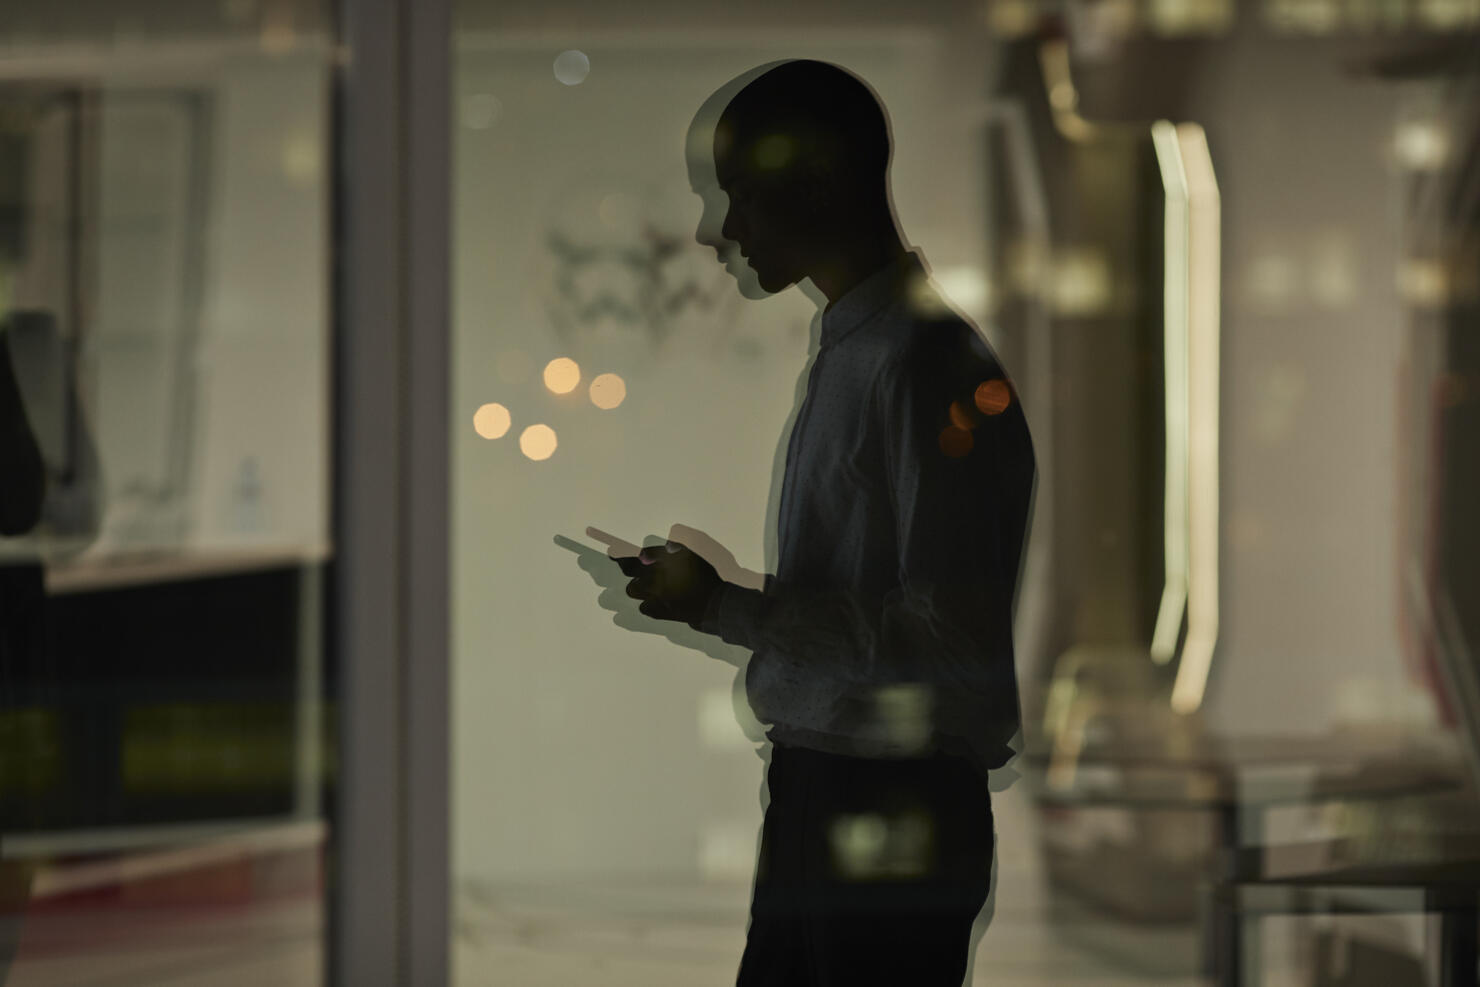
(572, 67)
(1421, 145)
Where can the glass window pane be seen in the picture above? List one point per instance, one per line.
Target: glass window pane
(164, 284)
(1224, 255)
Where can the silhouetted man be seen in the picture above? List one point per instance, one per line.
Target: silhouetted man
(882, 646)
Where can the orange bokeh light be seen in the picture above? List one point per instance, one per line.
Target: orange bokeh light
(993, 397)
(955, 442)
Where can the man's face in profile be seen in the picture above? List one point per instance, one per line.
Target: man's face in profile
(761, 220)
(791, 161)
(716, 205)
(759, 212)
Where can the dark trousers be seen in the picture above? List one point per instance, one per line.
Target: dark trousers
(870, 872)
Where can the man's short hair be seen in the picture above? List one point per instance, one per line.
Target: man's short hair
(805, 118)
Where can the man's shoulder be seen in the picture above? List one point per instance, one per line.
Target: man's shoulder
(943, 362)
(943, 348)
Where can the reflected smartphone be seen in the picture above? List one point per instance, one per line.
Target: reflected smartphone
(617, 548)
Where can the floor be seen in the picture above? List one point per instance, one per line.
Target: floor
(657, 936)
(614, 935)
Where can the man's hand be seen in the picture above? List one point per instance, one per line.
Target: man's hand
(672, 582)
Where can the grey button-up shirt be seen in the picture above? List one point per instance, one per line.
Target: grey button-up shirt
(887, 627)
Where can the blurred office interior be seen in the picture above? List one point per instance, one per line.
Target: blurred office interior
(328, 319)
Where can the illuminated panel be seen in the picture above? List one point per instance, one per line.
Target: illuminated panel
(1203, 366)
(1176, 237)
(1063, 98)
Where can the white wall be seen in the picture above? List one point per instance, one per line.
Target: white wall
(258, 387)
(264, 371)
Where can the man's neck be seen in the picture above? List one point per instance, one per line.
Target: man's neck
(845, 271)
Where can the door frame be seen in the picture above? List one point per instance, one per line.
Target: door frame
(388, 885)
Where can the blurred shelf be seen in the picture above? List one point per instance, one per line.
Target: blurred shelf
(228, 835)
(116, 571)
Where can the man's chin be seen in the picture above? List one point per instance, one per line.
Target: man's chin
(748, 280)
(771, 283)
(771, 280)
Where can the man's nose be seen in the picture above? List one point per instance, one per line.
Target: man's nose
(710, 231)
(730, 230)
(708, 234)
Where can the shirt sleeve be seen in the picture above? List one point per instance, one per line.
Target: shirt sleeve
(957, 466)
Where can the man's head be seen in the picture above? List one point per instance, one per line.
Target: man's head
(800, 150)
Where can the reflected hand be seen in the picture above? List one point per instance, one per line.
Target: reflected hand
(716, 555)
(673, 582)
(605, 569)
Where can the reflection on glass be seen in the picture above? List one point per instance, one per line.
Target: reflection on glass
(608, 391)
(562, 375)
(492, 420)
(537, 442)
(572, 67)
(1319, 413)
(163, 344)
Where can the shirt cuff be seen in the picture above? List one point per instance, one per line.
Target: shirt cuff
(734, 614)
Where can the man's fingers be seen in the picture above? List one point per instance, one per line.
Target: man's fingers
(640, 589)
(686, 535)
(629, 564)
(654, 553)
(654, 609)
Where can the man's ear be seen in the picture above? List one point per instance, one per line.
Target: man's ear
(820, 196)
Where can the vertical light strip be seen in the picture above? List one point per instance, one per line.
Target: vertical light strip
(1063, 98)
(1175, 306)
(1204, 302)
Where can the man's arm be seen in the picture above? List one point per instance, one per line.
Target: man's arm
(959, 500)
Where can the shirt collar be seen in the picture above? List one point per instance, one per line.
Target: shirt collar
(867, 297)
